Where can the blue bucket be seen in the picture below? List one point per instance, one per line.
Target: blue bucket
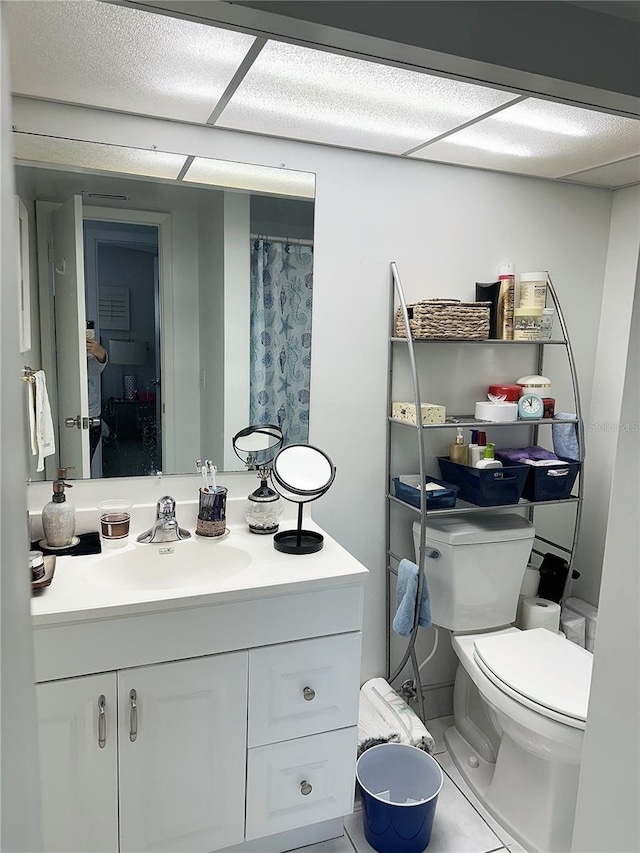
(399, 786)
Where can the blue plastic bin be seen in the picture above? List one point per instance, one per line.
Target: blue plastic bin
(410, 494)
(399, 786)
(485, 486)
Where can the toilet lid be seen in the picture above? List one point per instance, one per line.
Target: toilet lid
(540, 669)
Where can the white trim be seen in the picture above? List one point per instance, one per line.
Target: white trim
(165, 261)
(24, 280)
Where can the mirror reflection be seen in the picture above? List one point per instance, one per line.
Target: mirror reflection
(165, 317)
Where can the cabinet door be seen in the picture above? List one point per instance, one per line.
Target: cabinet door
(182, 737)
(298, 689)
(300, 782)
(78, 764)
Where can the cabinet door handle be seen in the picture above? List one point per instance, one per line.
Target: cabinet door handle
(305, 788)
(102, 722)
(133, 715)
(309, 693)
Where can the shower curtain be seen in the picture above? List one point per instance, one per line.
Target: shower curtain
(280, 348)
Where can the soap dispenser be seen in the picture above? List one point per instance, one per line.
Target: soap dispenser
(459, 451)
(59, 515)
(489, 460)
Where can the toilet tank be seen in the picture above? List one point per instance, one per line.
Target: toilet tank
(475, 582)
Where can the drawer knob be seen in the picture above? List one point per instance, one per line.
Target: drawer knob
(309, 693)
(305, 788)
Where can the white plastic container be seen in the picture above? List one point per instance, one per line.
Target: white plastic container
(533, 290)
(527, 323)
(497, 412)
(546, 324)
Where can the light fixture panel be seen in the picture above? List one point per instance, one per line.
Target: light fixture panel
(312, 95)
(244, 176)
(541, 138)
(76, 154)
(120, 58)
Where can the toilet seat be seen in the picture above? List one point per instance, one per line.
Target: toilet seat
(539, 669)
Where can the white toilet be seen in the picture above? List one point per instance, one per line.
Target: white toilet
(520, 697)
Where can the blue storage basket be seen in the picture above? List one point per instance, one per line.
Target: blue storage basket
(399, 786)
(485, 486)
(551, 483)
(435, 500)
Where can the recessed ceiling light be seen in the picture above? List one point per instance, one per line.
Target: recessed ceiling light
(120, 58)
(96, 156)
(267, 179)
(301, 93)
(469, 139)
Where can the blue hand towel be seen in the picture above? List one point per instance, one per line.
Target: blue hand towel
(406, 591)
(565, 438)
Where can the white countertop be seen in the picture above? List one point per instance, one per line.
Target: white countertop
(79, 592)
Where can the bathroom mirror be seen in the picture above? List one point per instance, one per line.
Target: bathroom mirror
(185, 281)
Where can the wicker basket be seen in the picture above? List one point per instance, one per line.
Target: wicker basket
(445, 319)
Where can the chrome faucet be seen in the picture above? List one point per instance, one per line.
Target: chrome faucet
(165, 528)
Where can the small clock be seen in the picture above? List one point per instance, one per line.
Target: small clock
(530, 407)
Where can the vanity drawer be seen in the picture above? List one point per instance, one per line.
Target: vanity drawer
(300, 782)
(298, 689)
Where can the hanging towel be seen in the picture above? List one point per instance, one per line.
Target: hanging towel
(44, 435)
(565, 438)
(406, 590)
(397, 713)
(373, 729)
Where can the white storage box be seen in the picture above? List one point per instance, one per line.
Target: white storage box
(431, 413)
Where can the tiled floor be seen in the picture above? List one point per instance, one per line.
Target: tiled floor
(461, 824)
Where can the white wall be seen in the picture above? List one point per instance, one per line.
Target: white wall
(607, 815)
(603, 424)
(19, 791)
(447, 227)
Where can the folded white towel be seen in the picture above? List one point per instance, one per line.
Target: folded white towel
(44, 434)
(397, 714)
(372, 728)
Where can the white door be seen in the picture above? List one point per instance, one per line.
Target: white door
(78, 764)
(182, 754)
(71, 351)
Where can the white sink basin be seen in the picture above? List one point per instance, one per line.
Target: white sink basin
(187, 563)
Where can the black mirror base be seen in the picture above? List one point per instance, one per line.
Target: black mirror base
(298, 541)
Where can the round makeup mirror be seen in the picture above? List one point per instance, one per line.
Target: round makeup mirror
(301, 473)
(257, 444)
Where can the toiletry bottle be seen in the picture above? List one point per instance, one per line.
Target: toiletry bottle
(489, 460)
(472, 446)
(459, 451)
(59, 515)
(476, 452)
(506, 302)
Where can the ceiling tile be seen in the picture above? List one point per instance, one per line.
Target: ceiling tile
(299, 93)
(93, 155)
(536, 137)
(222, 173)
(119, 58)
(619, 174)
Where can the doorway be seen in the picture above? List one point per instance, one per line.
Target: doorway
(122, 298)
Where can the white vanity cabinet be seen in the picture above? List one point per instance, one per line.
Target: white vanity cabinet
(229, 717)
(166, 742)
(79, 763)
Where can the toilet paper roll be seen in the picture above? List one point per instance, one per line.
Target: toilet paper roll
(540, 613)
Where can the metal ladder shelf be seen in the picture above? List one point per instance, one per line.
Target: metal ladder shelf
(397, 297)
